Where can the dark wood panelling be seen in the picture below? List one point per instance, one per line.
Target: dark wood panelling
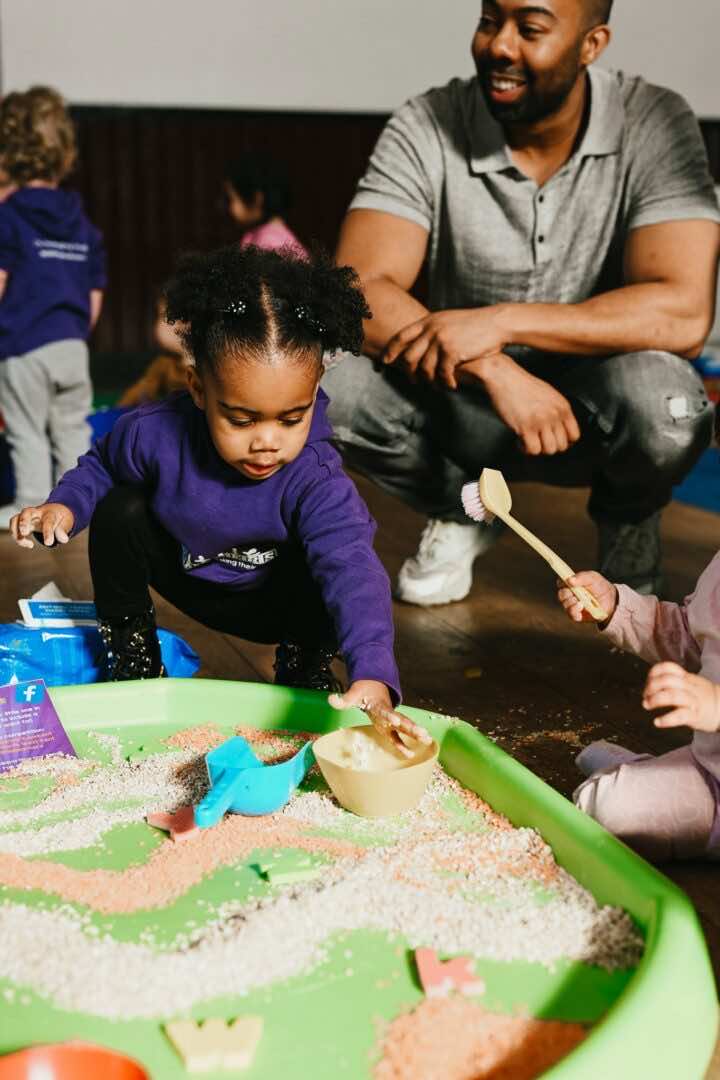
(152, 181)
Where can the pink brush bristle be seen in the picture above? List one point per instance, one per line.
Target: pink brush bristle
(473, 504)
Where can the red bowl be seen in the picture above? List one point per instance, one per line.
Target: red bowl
(70, 1061)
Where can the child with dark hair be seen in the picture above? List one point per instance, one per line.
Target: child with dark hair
(230, 500)
(257, 190)
(52, 273)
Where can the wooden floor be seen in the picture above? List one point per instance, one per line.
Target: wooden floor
(506, 659)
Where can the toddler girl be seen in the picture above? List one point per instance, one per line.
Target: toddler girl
(52, 272)
(666, 807)
(230, 500)
(258, 198)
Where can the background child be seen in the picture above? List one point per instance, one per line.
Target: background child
(52, 272)
(258, 198)
(231, 500)
(666, 807)
(166, 373)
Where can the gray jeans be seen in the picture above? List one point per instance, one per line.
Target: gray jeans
(45, 397)
(644, 420)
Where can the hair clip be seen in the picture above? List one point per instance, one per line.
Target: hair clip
(303, 314)
(235, 307)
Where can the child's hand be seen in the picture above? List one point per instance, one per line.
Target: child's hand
(53, 520)
(604, 592)
(374, 699)
(694, 701)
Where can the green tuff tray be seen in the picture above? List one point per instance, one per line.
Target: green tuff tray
(661, 1021)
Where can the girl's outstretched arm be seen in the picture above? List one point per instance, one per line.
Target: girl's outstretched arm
(336, 531)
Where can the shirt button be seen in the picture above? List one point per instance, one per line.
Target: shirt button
(541, 198)
(541, 239)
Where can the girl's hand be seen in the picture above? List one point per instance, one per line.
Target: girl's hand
(604, 592)
(53, 520)
(374, 699)
(693, 700)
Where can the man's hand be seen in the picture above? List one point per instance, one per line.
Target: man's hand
(53, 520)
(693, 700)
(374, 699)
(539, 414)
(434, 346)
(603, 590)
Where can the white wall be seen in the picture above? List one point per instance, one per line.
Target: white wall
(366, 55)
(671, 42)
(358, 55)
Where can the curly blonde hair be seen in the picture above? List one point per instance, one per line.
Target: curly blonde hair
(37, 136)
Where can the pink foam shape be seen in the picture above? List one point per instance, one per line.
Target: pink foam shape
(181, 825)
(439, 979)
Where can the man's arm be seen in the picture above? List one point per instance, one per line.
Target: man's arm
(667, 302)
(388, 253)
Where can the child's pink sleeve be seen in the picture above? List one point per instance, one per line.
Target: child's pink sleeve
(654, 629)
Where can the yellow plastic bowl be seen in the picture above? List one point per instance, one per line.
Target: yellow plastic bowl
(367, 777)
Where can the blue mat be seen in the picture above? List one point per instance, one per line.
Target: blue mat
(701, 487)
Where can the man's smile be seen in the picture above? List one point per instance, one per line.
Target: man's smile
(505, 88)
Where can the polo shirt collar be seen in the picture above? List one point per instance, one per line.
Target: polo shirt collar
(603, 135)
(604, 132)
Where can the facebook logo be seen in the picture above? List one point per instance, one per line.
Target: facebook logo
(29, 693)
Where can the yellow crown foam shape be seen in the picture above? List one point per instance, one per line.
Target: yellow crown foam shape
(216, 1044)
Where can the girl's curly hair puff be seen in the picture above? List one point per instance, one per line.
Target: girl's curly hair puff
(37, 136)
(265, 305)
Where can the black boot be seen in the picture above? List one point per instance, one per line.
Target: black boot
(132, 648)
(305, 667)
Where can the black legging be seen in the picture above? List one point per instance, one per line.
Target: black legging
(130, 550)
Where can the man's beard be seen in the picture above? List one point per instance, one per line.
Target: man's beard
(537, 102)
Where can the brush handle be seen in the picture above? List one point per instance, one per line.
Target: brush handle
(559, 565)
(589, 602)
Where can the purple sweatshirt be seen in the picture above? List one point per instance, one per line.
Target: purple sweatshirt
(54, 257)
(232, 529)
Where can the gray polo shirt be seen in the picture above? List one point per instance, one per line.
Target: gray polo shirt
(495, 235)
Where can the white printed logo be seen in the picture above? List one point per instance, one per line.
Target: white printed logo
(238, 558)
(61, 249)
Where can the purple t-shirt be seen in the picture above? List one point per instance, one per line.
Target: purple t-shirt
(233, 531)
(54, 256)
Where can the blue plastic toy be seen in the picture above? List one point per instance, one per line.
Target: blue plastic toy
(240, 782)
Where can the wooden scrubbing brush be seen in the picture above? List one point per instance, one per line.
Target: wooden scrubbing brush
(490, 498)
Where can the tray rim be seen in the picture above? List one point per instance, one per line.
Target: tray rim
(673, 989)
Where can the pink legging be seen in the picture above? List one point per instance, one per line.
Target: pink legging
(663, 807)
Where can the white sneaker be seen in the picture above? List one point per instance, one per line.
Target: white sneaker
(441, 571)
(6, 513)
